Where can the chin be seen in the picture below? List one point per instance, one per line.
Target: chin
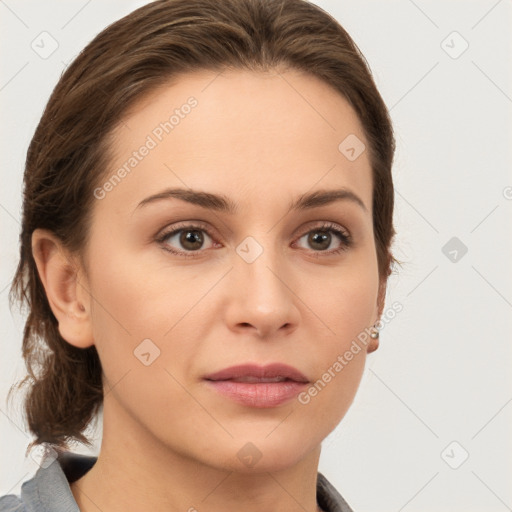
(263, 455)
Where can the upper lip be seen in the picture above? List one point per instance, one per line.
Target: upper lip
(254, 370)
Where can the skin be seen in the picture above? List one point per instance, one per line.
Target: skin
(170, 442)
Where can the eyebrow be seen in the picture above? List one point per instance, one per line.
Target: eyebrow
(222, 203)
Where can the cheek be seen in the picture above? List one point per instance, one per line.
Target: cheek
(346, 308)
(124, 309)
(141, 313)
(340, 358)
(128, 288)
(345, 303)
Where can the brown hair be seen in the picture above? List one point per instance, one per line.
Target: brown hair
(68, 154)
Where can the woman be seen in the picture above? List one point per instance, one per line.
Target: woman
(205, 248)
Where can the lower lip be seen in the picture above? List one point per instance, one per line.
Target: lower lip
(263, 394)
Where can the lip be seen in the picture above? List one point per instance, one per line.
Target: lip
(258, 393)
(261, 372)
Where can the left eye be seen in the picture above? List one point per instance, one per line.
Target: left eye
(322, 237)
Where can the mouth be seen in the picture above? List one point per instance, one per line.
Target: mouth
(258, 386)
(252, 379)
(276, 372)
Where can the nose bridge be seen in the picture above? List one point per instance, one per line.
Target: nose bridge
(263, 298)
(259, 299)
(259, 264)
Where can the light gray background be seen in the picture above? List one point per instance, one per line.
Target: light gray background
(442, 372)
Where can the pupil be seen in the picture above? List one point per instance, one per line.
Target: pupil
(320, 238)
(191, 237)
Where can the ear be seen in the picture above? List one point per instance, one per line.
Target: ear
(62, 279)
(381, 298)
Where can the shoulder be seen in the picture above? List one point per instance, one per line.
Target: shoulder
(11, 503)
(49, 488)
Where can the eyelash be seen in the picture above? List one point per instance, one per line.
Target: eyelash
(345, 238)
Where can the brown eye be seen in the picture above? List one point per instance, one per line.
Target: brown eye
(185, 240)
(191, 239)
(321, 238)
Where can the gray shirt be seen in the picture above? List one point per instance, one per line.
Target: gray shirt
(48, 490)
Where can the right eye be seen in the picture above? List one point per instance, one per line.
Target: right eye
(189, 236)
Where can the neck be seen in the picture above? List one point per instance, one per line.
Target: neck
(134, 471)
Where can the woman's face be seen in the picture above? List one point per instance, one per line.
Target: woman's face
(264, 283)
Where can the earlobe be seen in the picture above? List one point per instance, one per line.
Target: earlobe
(59, 274)
(373, 345)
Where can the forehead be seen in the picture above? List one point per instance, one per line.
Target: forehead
(259, 135)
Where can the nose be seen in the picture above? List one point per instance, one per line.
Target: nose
(261, 298)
